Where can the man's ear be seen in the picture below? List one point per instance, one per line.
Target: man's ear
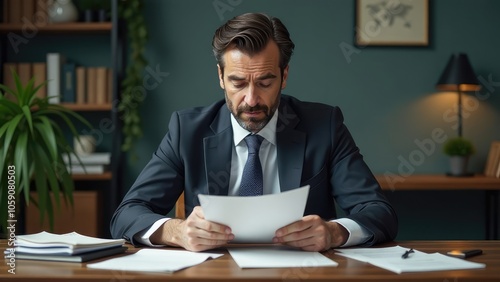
(285, 77)
(221, 78)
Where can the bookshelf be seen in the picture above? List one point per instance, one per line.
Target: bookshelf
(104, 187)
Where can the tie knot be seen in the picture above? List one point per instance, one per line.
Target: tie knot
(253, 143)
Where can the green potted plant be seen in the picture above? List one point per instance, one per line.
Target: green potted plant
(33, 144)
(459, 150)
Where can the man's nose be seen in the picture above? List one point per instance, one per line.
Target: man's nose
(251, 97)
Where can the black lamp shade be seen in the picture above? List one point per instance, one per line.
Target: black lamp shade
(458, 75)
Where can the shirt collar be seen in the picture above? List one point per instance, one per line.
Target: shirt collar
(268, 132)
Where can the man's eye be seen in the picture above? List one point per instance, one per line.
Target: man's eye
(239, 85)
(265, 85)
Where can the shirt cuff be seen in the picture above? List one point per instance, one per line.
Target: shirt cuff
(357, 233)
(143, 236)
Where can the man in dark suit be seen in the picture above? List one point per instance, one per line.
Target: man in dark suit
(303, 143)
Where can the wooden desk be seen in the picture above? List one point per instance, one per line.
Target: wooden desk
(225, 269)
(490, 185)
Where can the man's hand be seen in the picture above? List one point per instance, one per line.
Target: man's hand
(193, 234)
(312, 233)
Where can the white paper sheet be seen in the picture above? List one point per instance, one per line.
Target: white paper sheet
(255, 219)
(278, 256)
(155, 260)
(390, 259)
(367, 254)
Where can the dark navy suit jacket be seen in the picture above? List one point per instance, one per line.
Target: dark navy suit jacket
(314, 148)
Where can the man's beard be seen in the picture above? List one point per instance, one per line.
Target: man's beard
(252, 124)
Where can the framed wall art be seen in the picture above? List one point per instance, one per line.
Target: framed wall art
(392, 23)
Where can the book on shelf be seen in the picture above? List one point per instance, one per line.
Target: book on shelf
(91, 85)
(81, 85)
(492, 167)
(101, 85)
(40, 75)
(19, 11)
(27, 10)
(41, 16)
(22, 11)
(68, 79)
(26, 71)
(65, 247)
(54, 65)
(12, 11)
(64, 82)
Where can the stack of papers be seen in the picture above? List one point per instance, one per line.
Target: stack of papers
(390, 259)
(95, 163)
(72, 247)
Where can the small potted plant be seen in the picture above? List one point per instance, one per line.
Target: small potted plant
(33, 143)
(459, 150)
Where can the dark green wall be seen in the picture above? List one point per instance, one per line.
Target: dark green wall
(387, 94)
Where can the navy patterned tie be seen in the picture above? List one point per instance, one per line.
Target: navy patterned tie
(252, 179)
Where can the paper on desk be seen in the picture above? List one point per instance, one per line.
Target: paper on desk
(255, 219)
(368, 254)
(155, 260)
(278, 256)
(390, 259)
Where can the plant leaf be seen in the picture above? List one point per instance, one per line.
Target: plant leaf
(27, 114)
(14, 123)
(46, 132)
(41, 187)
(21, 162)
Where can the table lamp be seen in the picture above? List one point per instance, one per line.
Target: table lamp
(460, 77)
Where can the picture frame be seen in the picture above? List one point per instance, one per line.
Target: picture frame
(392, 23)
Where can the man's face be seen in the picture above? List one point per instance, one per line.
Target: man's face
(252, 85)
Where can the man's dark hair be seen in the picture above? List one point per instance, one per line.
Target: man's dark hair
(250, 33)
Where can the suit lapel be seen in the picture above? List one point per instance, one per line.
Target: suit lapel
(290, 146)
(218, 150)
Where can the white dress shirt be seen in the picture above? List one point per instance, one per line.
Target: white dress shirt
(268, 159)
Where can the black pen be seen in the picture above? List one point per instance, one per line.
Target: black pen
(407, 253)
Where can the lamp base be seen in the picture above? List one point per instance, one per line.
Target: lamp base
(467, 174)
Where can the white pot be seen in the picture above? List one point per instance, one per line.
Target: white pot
(62, 11)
